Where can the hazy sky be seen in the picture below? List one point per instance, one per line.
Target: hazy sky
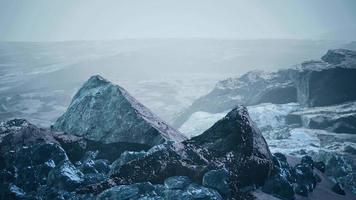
(46, 20)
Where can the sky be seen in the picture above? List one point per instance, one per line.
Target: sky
(62, 20)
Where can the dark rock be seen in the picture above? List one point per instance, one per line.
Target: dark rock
(28, 154)
(217, 179)
(232, 143)
(338, 189)
(102, 111)
(320, 166)
(124, 158)
(199, 192)
(177, 182)
(65, 176)
(327, 83)
(307, 161)
(280, 187)
(252, 88)
(301, 190)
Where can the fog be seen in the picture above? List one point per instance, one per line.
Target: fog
(58, 20)
(166, 53)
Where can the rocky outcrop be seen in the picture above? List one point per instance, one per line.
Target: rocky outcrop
(28, 154)
(232, 143)
(102, 111)
(250, 89)
(327, 82)
(330, 81)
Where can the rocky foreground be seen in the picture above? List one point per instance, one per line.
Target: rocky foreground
(109, 146)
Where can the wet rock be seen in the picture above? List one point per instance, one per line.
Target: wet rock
(134, 191)
(232, 143)
(177, 182)
(28, 154)
(217, 179)
(65, 176)
(199, 192)
(279, 186)
(102, 111)
(338, 189)
(124, 158)
(252, 88)
(328, 82)
(301, 190)
(320, 166)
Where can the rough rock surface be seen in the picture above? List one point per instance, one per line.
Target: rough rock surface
(232, 143)
(339, 118)
(102, 111)
(250, 89)
(327, 82)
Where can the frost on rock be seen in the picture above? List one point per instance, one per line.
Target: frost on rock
(102, 111)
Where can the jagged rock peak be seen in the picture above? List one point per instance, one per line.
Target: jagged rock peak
(234, 132)
(103, 111)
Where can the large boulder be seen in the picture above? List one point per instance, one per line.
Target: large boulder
(252, 88)
(102, 111)
(232, 143)
(327, 82)
(28, 154)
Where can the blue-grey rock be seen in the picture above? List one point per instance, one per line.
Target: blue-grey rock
(124, 158)
(177, 182)
(200, 192)
(102, 111)
(217, 179)
(65, 176)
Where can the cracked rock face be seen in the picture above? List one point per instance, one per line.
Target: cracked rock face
(102, 111)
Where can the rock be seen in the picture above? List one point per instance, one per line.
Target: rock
(65, 176)
(301, 190)
(252, 88)
(232, 143)
(337, 118)
(217, 179)
(340, 56)
(280, 187)
(328, 82)
(177, 182)
(124, 158)
(102, 111)
(307, 161)
(199, 192)
(338, 189)
(280, 184)
(320, 166)
(28, 154)
(134, 191)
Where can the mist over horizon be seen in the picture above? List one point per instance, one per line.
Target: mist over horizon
(65, 20)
